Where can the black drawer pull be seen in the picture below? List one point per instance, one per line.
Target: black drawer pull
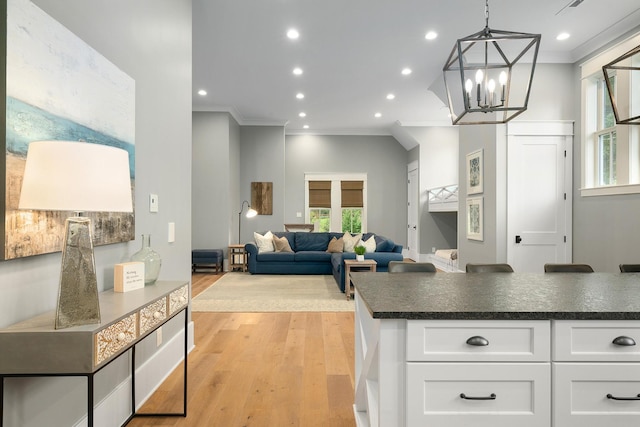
(492, 396)
(478, 341)
(622, 340)
(612, 397)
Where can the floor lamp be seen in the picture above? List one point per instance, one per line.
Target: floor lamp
(78, 177)
(250, 214)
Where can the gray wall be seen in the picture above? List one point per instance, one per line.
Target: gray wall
(261, 160)
(151, 41)
(382, 158)
(552, 98)
(264, 154)
(605, 228)
(214, 179)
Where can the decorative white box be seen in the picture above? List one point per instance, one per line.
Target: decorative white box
(128, 276)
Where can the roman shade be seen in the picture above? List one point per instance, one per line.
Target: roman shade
(351, 194)
(320, 194)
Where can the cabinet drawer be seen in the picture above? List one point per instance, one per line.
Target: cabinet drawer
(110, 340)
(592, 340)
(580, 394)
(504, 341)
(521, 392)
(178, 299)
(153, 314)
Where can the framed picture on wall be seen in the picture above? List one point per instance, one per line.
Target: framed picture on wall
(474, 172)
(475, 228)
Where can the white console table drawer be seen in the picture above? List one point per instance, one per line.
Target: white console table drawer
(581, 390)
(110, 340)
(593, 340)
(152, 314)
(479, 340)
(521, 391)
(178, 299)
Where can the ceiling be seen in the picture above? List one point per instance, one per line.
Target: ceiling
(352, 53)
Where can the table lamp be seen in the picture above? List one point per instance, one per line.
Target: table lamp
(78, 177)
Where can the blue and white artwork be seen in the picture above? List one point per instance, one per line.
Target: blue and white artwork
(59, 88)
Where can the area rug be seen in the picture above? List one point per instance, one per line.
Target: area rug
(247, 293)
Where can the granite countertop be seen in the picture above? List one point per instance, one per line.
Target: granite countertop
(506, 296)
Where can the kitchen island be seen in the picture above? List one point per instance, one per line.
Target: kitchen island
(503, 349)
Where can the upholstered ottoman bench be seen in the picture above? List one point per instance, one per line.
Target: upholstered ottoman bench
(206, 258)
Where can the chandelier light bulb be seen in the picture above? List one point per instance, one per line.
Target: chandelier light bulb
(468, 85)
(491, 85)
(503, 78)
(479, 76)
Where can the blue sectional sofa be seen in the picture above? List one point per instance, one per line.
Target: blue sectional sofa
(310, 255)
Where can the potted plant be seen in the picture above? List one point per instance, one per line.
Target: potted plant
(360, 251)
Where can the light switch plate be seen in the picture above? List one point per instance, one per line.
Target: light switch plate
(153, 203)
(172, 232)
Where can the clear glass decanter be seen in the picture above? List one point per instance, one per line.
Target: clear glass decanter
(150, 258)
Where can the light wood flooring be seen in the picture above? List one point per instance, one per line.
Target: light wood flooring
(262, 369)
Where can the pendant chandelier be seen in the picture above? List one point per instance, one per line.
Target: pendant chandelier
(488, 75)
(626, 69)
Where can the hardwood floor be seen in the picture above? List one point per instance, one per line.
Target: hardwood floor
(262, 369)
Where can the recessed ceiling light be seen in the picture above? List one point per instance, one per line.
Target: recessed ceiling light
(377, 115)
(202, 92)
(293, 34)
(390, 96)
(406, 71)
(431, 35)
(297, 71)
(305, 127)
(300, 95)
(302, 114)
(563, 36)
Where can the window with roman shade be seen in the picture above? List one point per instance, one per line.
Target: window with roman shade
(336, 201)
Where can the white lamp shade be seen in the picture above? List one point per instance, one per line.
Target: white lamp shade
(76, 176)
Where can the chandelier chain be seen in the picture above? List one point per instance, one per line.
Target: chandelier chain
(486, 13)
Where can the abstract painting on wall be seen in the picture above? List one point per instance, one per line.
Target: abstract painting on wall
(58, 88)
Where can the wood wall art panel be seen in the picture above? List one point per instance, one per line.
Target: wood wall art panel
(262, 197)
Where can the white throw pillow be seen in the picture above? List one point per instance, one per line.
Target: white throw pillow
(370, 245)
(350, 241)
(264, 243)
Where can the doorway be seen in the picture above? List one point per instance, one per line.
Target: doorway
(413, 201)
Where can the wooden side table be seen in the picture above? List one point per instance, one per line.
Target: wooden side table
(353, 265)
(237, 258)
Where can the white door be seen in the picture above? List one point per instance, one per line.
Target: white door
(539, 194)
(412, 214)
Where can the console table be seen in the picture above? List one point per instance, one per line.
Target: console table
(127, 318)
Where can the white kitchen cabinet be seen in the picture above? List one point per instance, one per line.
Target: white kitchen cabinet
(596, 373)
(517, 350)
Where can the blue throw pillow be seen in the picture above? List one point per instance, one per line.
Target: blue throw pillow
(384, 245)
(311, 241)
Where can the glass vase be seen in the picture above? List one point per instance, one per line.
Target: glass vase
(150, 258)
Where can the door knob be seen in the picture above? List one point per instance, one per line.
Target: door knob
(518, 239)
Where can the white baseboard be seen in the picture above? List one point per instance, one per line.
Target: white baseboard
(115, 408)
